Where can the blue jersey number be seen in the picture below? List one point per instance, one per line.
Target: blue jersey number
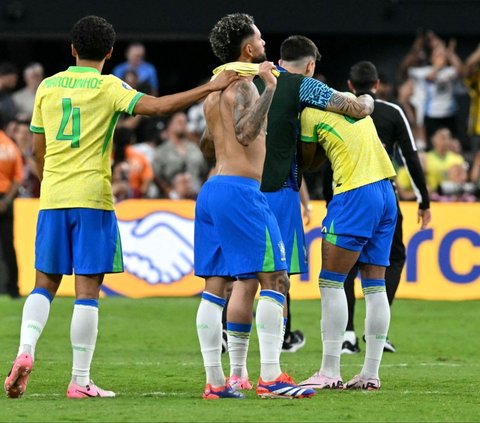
(72, 113)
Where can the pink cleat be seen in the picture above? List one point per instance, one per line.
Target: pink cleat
(320, 381)
(89, 391)
(360, 382)
(17, 379)
(238, 383)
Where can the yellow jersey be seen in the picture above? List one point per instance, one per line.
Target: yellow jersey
(77, 110)
(352, 145)
(437, 167)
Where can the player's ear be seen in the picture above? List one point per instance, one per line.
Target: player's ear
(74, 51)
(310, 69)
(109, 54)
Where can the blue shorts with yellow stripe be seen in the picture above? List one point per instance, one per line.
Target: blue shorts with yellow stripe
(236, 233)
(363, 219)
(78, 240)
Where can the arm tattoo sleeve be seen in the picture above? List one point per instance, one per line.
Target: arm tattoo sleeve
(249, 117)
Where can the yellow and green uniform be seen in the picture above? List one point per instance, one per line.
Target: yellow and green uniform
(363, 211)
(77, 110)
(356, 153)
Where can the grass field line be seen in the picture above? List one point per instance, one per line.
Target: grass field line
(145, 394)
(161, 363)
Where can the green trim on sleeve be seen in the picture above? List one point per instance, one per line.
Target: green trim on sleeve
(305, 138)
(133, 103)
(37, 129)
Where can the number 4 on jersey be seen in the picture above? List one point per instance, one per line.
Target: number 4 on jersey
(74, 114)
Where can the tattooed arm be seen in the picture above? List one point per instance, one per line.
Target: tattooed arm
(358, 107)
(249, 116)
(316, 94)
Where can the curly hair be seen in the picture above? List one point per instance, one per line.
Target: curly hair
(93, 37)
(228, 34)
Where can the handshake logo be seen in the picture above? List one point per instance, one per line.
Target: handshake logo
(158, 248)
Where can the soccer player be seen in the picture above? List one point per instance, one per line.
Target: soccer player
(394, 131)
(73, 121)
(281, 179)
(359, 226)
(236, 233)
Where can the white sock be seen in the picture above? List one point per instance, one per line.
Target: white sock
(238, 340)
(209, 330)
(377, 322)
(350, 336)
(269, 322)
(83, 335)
(334, 320)
(35, 315)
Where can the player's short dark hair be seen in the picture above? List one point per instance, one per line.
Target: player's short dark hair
(363, 75)
(228, 35)
(297, 47)
(93, 37)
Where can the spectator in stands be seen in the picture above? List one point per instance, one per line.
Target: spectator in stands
(24, 98)
(131, 171)
(475, 174)
(196, 120)
(8, 82)
(30, 187)
(445, 170)
(182, 187)
(472, 73)
(176, 155)
(146, 72)
(11, 174)
(434, 87)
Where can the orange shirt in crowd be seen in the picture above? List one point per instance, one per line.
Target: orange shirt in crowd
(140, 170)
(11, 163)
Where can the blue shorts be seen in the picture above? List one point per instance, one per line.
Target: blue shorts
(80, 240)
(363, 219)
(236, 233)
(285, 205)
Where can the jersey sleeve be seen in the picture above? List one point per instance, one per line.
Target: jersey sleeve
(314, 93)
(124, 96)
(308, 125)
(36, 124)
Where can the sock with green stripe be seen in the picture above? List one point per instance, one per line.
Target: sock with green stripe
(209, 330)
(334, 320)
(238, 335)
(377, 321)
(269, 322)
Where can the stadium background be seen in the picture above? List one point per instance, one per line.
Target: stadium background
(176, 35)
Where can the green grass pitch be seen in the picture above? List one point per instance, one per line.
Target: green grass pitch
(147, 351)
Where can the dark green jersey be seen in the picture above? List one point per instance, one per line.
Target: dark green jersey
(293, 93)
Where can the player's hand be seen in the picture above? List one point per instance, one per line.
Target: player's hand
(307, 214)
(223, 80)
(424, 218)
(265, 72)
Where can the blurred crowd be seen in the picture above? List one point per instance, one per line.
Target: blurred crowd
(161, 158)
